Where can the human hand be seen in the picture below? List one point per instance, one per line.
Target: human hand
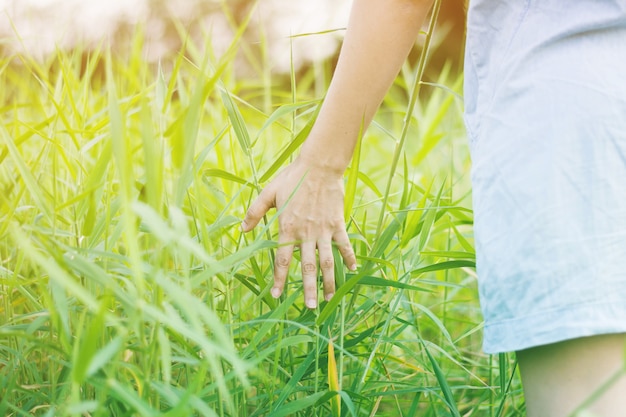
(310, 218)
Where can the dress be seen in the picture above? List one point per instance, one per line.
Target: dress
(545, 103)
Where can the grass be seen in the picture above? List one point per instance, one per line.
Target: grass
(127, 289)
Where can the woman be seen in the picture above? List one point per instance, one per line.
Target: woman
(545, 110)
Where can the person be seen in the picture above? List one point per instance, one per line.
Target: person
(545, 110)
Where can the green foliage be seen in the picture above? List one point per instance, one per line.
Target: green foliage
(127, 288)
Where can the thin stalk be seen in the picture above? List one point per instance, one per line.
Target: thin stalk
(409, 113)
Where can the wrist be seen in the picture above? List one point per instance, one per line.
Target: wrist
(323, 162)
(327, 157)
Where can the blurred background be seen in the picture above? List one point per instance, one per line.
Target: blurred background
(39, 27)
(126, 285)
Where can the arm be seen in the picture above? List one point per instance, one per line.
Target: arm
(379, 37)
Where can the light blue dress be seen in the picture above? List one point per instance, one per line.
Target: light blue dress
(545, 98)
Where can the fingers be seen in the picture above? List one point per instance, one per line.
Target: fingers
(265, 201)
(284, 254)
(309, 273)
(345, 249)
(327, 265)
(313, 224)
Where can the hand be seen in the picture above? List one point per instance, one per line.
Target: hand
(311, 218)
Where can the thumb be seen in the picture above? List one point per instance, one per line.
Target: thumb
(258, 208)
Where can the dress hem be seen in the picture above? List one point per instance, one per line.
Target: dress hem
(555, 326)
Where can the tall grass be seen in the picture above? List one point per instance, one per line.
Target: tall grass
(127, 288)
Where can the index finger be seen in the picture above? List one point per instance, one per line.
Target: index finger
(284, 253)
(265, 201)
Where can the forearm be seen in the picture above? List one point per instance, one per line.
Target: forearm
(379, 37)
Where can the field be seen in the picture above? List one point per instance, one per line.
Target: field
(128, 289)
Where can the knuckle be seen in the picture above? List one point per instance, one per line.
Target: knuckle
(252, 213)
(283, 261)
(287, 227)
(346, 249)
(336, 223)
(308, 267)
(327, 263)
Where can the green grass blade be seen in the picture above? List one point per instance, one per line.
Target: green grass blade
(31, 183)
(443, 383)
(290, 149)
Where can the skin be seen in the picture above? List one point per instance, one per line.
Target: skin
(557, 378)
(378, 32)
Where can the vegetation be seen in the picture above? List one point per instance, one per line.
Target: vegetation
(127, 288)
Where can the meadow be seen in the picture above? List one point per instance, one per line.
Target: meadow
(128, 289)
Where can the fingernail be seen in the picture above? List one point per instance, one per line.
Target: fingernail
(275, 292)
(327, 297)
(353, 267)
(311, 303)
(243, 226)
